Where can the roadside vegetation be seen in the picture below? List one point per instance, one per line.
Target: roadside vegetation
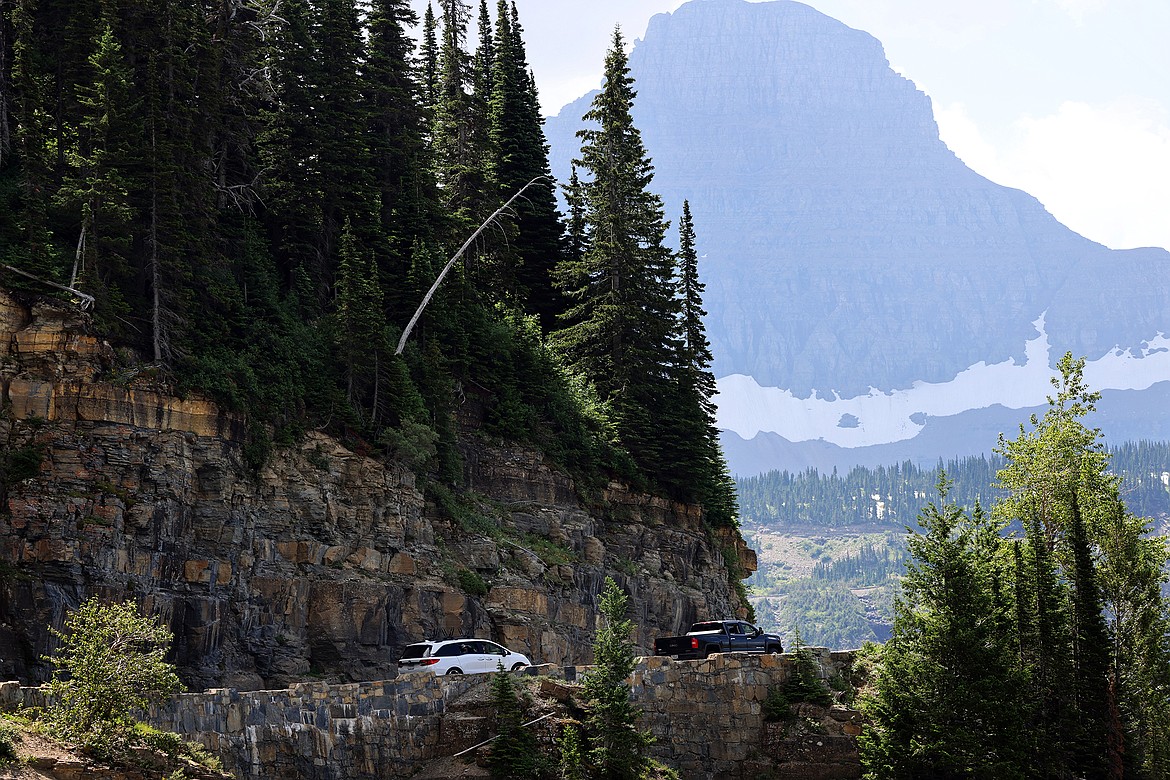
(598, 737)
(110, 665)
(1030, 639)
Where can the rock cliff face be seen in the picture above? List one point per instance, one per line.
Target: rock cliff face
(322, 564)
(845, 247)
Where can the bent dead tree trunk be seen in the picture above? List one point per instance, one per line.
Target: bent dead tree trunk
(442, 274)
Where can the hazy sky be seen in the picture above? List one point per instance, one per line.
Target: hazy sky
(1068, 100)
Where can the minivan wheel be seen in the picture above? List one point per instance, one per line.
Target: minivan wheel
(518, 666)
(454, 670)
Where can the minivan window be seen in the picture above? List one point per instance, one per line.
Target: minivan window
(415, 651)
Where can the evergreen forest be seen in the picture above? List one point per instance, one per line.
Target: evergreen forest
(892, 496)
(253, 198)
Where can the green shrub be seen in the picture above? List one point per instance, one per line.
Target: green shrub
(175, 747)
(776, 706)
(471, 583)
(108, 665)
(8, 740)
(23, 463)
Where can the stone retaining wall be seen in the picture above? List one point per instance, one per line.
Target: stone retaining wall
(706, 716)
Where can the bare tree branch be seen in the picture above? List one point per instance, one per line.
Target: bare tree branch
(86, 300)
(442, 274)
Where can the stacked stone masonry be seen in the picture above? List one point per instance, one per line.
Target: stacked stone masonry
(705, 715)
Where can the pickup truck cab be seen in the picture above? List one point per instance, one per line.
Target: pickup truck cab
(718, 636)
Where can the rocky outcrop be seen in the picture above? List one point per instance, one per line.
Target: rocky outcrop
(323, 563)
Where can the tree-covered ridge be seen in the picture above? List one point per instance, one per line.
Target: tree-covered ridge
(893, 495)
(257, 194)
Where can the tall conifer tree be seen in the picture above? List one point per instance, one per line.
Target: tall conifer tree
(519, 154)
(620, 327)
(700, 449)
(458, 155)
(406, 197)
(33, 252)
(948, 696)
(96, 184)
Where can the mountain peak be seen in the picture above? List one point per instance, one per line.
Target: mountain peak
(848, 250)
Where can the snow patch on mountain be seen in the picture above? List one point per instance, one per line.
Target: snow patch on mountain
(880, 417)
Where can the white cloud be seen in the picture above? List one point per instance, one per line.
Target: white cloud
(1101, 169)
(1080, 9)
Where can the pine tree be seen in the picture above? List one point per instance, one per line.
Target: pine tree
(617, 747)
(619, 329)
(519, 153)
(947, 701)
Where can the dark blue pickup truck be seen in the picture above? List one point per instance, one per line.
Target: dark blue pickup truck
(718, 636)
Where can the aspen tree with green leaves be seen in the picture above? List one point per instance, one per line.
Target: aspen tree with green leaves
(1087, 559)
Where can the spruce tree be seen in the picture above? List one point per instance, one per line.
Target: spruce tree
(947, 701)
(458, 154)
(360, 329)
(617, 747)
(287, 145)
(346, 181)
(96, 185)
(620, 327)
(514, 751)
(701, 466)
(407, 201)
(33, 251)
(534, 243)
(429, 59)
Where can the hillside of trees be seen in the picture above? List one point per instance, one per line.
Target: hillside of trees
(254, 197)
(851, 532)
(893, 496)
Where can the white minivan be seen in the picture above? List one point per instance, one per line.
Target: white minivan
(459, 656)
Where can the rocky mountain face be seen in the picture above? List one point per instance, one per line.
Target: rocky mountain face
(322, 564)
(848, 252)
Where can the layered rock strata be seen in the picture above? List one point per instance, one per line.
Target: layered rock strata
(324, 563)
